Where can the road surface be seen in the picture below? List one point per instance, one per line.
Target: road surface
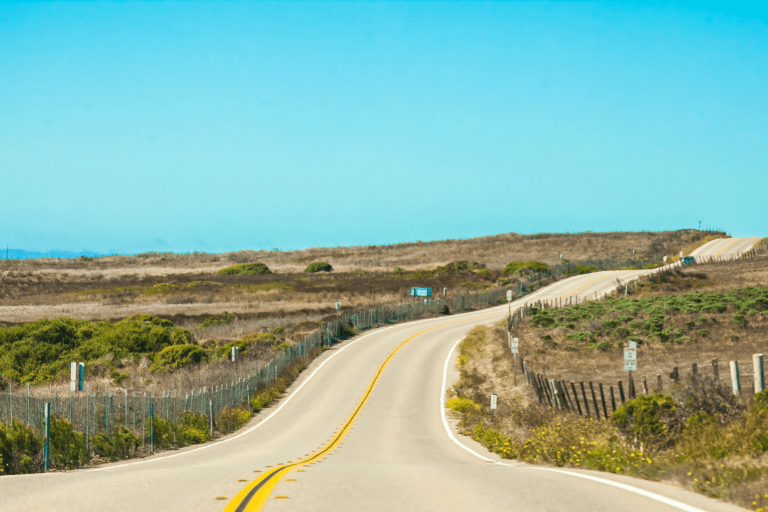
(367, 420)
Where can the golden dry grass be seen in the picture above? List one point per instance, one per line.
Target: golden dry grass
(114, 287)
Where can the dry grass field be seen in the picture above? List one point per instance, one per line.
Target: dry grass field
(706, 336)
(186, 288)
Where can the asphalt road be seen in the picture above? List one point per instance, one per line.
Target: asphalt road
(368, 421)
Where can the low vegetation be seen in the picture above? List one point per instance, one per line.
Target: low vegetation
(695, 434)
(520, 266)
(318, 266)
(244, 269)
(39, 351)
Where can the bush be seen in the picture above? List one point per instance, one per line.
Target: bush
(264, 399)
(650, 419)
(120, 444)
(232, 419)
(244, 269)
(39, 351)
(318, 266)
(582, 269)
(20, 449)
(176, 356)
(463, 405)
(444, 310)
(195, 429)
(517, 266)
(222, 319)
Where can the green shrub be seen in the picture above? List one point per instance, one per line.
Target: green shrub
(165, 433)
(39, 351)
(264, 399)
(650, 418)
(582, 269)
(121, 443)
(245, 269)
(20, 449)
(195, 428)
(740, 320)
(222, 319)
(518, 266)
(318, 266)
(232, 419)
(176, 356)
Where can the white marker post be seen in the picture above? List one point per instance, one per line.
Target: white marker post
(493, 404)
(630, 364)
(514, 347)
(72, 376)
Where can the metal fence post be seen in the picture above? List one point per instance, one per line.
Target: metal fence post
(151, 427)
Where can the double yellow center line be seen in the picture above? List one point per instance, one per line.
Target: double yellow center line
(255, 495)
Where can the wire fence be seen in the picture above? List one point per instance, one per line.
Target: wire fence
(101, 410)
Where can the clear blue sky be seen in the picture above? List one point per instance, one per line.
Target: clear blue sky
(215, 126)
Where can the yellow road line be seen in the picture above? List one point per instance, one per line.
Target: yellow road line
(727, 246)
(255, 495)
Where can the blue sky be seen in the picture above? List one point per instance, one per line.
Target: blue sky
(216, 126)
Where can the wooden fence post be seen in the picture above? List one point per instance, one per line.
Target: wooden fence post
(594, 400)
(659, 386)
(576, 398)
(645, 386)
(695, 370)
(613, 400)
(715, 371)
(621, 393)
(602, 399)
(586, 402)
(674, 374)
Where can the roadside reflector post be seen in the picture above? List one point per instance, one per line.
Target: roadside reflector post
(735, 381)
(80, 376)
(210, 409)
(47, 418)
(493, 404)
(757, 363)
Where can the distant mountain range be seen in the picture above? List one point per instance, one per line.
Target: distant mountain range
(20, 254)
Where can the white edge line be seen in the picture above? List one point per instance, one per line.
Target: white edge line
(283, 403)
(648, 494)
(289, 397)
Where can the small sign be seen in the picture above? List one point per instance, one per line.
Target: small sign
(493, 402)
(665, 259)
(338, 305)
(681, 254)
(514, 346)
(630, 365)
(633, 345)
(72, 376)
(420, 292)
(509, 295)
(80, 376)
(630, 355)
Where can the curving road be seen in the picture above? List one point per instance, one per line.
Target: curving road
(363, 429)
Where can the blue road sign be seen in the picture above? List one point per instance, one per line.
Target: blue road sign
(420, 292)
